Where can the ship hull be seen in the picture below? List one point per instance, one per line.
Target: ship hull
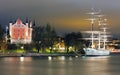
(96, 52)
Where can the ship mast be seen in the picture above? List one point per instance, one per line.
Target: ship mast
(104, 36)
(99, 32)
(92, 19)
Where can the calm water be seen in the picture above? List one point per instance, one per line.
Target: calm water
(60, 65)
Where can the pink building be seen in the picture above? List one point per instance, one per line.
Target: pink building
(20, 33)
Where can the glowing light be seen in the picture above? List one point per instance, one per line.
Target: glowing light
(21, 58)
(62, 48)
(99, 57)
(49, 58)
(70, 48)
(76, 56)
(93, 46)
(22, 47)
(62, 57)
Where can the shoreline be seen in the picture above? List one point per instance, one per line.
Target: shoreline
(37, 55)
(45, 55)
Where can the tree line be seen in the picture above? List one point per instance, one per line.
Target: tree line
(44, 37)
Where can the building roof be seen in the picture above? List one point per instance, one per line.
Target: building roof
(19, 21)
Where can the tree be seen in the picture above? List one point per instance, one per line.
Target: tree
(2, 38)
(38, 37)
(1, 33)
(50, 37)
(44, 37)
(53, 37)
(3, 44)
(73, 39)
(27, 47)
(47, 35)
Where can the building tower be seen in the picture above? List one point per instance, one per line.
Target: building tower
(20, 32)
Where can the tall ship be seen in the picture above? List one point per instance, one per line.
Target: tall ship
(98, 38)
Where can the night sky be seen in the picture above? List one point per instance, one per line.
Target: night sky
(64, 15)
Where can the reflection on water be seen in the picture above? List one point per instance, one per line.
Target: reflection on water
(21, 58)
(107, 65)
(49, 58)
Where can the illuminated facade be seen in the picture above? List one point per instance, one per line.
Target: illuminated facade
(59, 45)
(20, 32)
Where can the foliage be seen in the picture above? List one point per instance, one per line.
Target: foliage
(2, 31)
(50, 37)
(74, 40)
(44, 37)
(38, 33)
(28, 47)
(11, 47)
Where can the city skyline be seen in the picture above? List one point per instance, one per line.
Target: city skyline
(64, 15)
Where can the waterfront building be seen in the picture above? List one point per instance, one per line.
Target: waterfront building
(20, 33)
(59, 45)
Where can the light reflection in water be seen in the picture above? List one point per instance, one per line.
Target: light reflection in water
(76, 56)
(49, 58)
(56, 58)
(21, 59)
(97, 57)
(61, 58)
(70, 58)
(96, 65)
(60, 66)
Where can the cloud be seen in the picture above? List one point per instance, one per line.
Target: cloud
(62, 14)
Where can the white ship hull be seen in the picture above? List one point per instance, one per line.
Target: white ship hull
(96, 52)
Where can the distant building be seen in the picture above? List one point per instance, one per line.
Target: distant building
(59, 45)
(20, 32)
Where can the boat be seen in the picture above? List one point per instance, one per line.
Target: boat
(101, 35)
(96, 52)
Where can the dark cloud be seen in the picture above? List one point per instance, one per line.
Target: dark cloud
(62, 14)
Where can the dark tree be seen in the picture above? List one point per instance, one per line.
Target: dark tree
(73, 39)
(2, 32)
(38, 37)
(50, 37)
(28, 47)
(53, 37)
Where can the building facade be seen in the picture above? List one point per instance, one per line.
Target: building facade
(20, 32)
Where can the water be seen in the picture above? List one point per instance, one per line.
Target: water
(107, 65)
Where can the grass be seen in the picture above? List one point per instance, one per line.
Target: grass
(16, 51)
(47, 51)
